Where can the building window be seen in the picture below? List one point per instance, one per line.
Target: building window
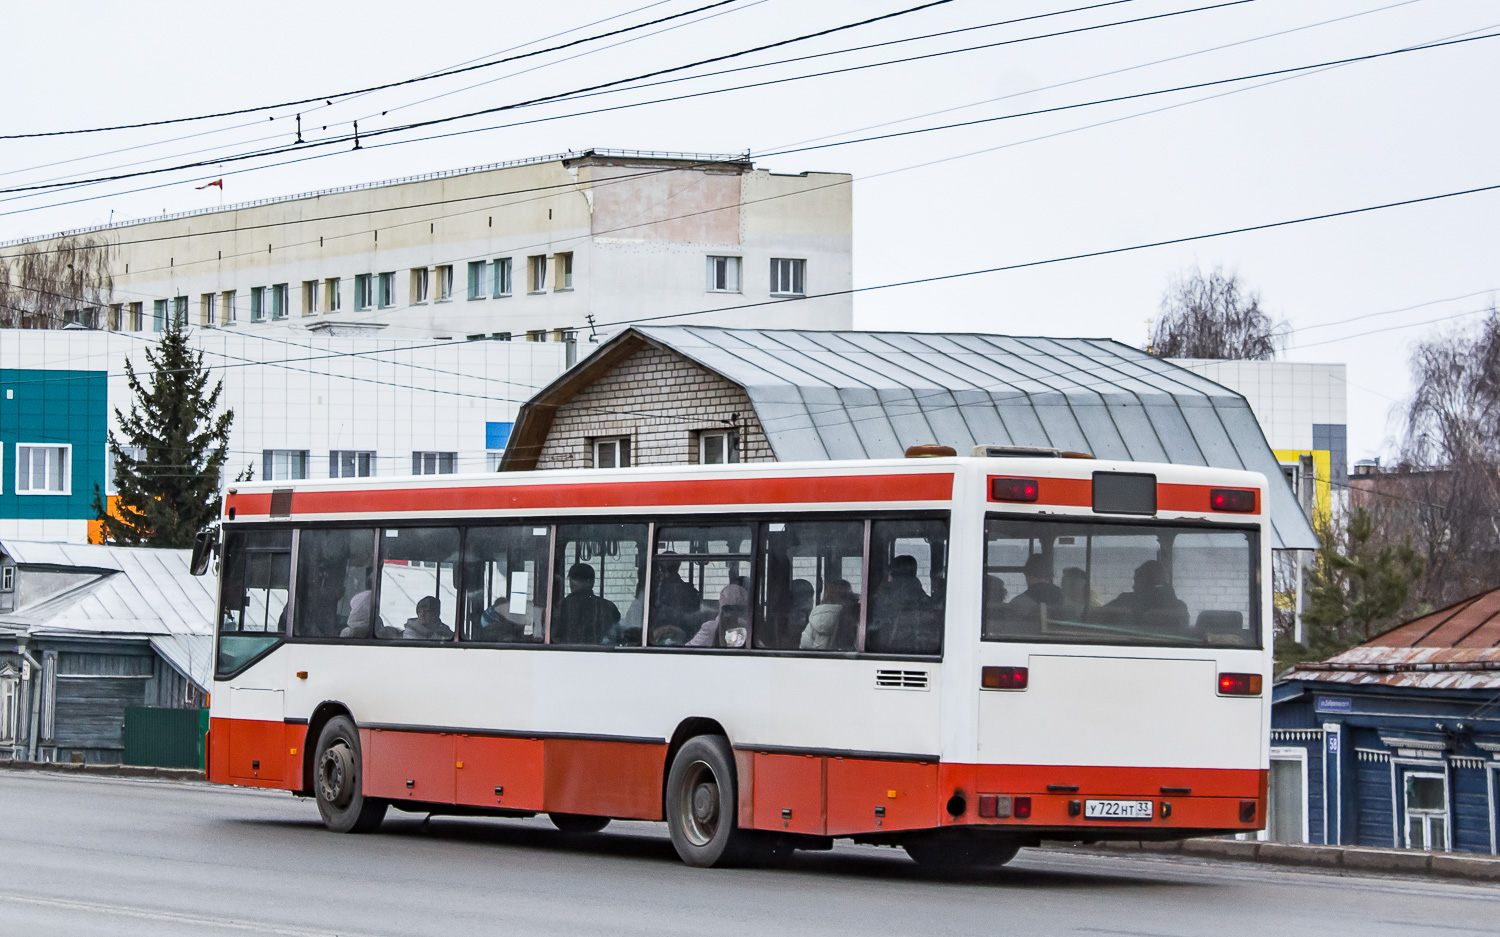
(284, 464)
(116, 317)
(309, 297)
(434, 463)
(613, 452)
(207, 310)
(787, 276)
(158, 315)
(564, 278)
(42, 469)
(332, 301)
(536, 273)
(492, 461)
(444, 283)
(1426, 811)
(385, 293)
(723, 274)
(278, 301)
(345, 463)
(226, 305)
(8, 579)
(717, 448)
(136, 453)
(136, 316)
(500, 277)
(478, 289)
(536, 335)
(419, 283)
(257, 304)
(179, 311)
(499, 336)
(364, 292)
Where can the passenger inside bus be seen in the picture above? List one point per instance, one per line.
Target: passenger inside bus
(1040, 589)
(833, 624)
(729, 627)
(673, 601)
(583, 617)
(1151, 601)
(902, 618)
(427, 624)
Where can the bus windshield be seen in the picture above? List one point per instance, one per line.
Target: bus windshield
(1059, 581)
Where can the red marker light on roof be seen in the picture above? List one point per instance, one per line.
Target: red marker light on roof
(1236, 500)
(1239, 684)
(1014, 489)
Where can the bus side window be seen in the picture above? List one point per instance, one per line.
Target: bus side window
(810, 584)
(418, 587)
(700, 593)
(908, 586)
(335, 583)
(256, 574)
(505, 584)
(598, 583)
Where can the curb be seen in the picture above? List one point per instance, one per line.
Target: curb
(1472, 867)
(106, 771)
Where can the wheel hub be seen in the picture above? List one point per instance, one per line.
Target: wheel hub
(705, 803)
(336, 775)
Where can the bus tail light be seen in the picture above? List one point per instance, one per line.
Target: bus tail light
(1003, 678)
(1021, 808)
(1236, 500)
(1014, 489)
(1239, 684)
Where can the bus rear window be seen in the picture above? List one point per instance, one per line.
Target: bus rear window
(1069, 582)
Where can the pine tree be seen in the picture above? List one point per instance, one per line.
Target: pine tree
(173, 492)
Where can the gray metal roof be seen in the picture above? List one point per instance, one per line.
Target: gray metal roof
(152, 597)
(864, 395)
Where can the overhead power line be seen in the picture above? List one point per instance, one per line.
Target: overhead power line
(361, 91)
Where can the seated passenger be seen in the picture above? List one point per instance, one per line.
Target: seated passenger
(361, 611)
(1076, 592)
(1152, 602)
(495, 624)
(823, 622)
(1040, 590)
(901, 612)
(582, 616)
(427, 625)
(728, 628)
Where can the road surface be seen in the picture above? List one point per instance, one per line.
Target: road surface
(133, 857)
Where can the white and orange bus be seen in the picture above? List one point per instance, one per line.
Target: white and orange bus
(959, 656)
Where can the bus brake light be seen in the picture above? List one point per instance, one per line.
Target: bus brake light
(1236, 500)
(1239, 684)
(1014, 489)
(1021, 808)
(1003, 678)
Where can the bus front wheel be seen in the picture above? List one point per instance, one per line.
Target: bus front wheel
(338, 785)
(702, 804)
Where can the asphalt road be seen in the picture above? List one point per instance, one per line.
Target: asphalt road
(126, 857)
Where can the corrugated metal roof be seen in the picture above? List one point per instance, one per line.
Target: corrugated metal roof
(1434, 668)
(152, 596)
(863, 395)
(1471, 623)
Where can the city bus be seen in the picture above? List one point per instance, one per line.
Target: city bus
(960, 656)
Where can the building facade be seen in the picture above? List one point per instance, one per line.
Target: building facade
(535, 248)
(305, 406)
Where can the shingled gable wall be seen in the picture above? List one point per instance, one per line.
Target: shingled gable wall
(624, 401)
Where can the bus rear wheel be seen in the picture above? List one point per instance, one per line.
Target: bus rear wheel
(702, 805)
(338, 785)
(578, 822)
(952, 853)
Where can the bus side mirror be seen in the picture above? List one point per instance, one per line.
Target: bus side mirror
(205, 545)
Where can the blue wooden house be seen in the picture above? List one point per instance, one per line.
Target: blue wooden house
(1396, 742)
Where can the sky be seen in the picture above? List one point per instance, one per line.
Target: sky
(1027, 188)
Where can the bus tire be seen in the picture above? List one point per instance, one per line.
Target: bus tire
(702, 805)
(338, 784)
(952, 853)
(578, 822)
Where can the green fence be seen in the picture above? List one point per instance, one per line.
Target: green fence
(165, 738)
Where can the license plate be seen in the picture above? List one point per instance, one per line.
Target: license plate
(1117, 809)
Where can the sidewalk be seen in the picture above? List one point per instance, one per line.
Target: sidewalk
(1454, 865)
(107, 771)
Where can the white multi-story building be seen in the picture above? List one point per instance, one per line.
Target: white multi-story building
(534, 248)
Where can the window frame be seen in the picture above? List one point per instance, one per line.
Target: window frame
(310, 298)
(797, 267)
(366, 456)
(622, 449)
(65, 469)
(279, 297)
(502, 278)
(536, 274)
(385, 289)
(226, 302)
(443, 287)
(731, 452)
(739, 270)
(420, 288)
(257, 304)
(364, 292)
(562, 277)
(291, 593)
(419, 459)
(267, 458)
(479, 282)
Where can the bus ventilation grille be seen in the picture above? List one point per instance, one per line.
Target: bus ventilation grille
(901, 679)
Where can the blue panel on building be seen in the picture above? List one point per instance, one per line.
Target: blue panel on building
(1335, 438)
(53, 408)
(496, 435)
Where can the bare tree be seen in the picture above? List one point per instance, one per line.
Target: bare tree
(1213, 316)
(44, 287)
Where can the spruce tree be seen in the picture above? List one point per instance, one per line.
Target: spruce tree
(173, 492)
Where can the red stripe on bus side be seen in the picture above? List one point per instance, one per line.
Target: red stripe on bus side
(715, 491)
(1079, 493)
(1194, 498)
